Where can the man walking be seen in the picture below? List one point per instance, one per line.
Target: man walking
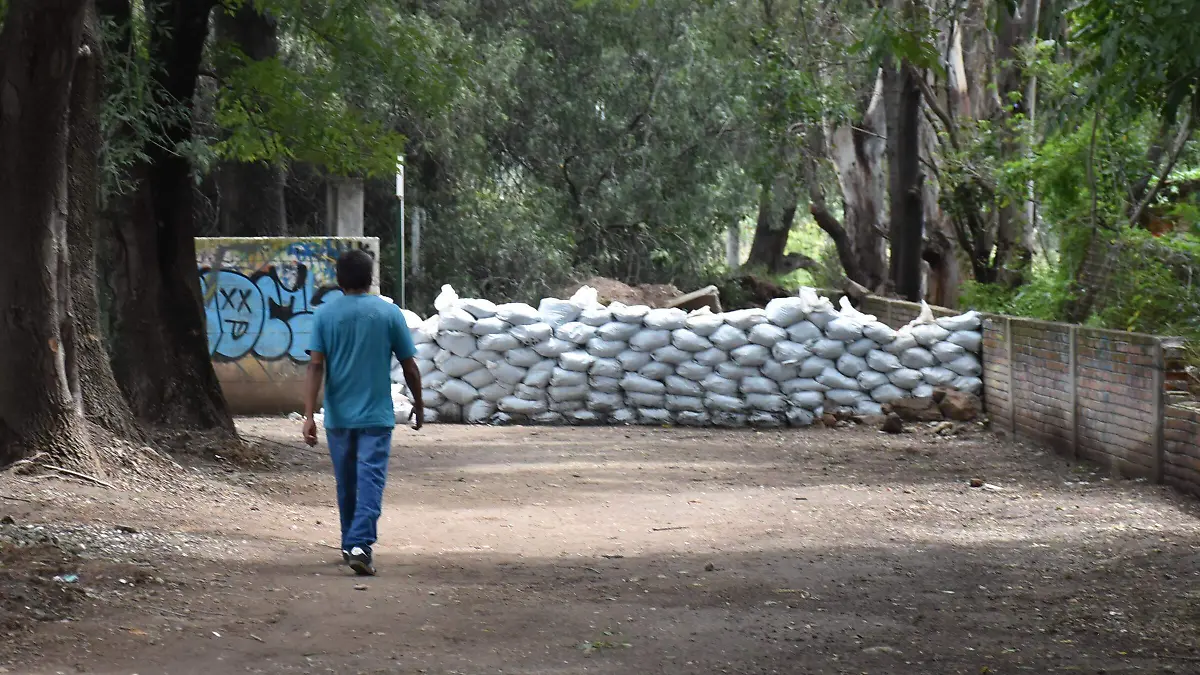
(353, 340)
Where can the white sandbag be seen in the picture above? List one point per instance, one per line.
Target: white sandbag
(928, 335)
(639, 400)
(759, 385)
(429, 350)
(450, 412)
(693, 371)
(689, 341)
(906, 378)
(575, 393)
(566, 406)
(496, 391)
(800, 418)
(456, 366)
(923, 391)
(548, 418)
(804, 332)
(540, 373)
(851, 365)
(672, 355)
(600, 401)
(722, 403)
(868, 409)
(802, 384)
(945, 352)
(629, 314)
(766, 402)
(533, 333)
(779, 372)
(728, 338)
(862, 347)
(745, 319)
(726, 420)
(971, 385)
(634, 383)
(607, 368)
(655, 416)
(445, 299)
(411, 319)
(917, 358)
(767, 335)
(656, 370)
(678, 386)
(633, 361)
(971, 321)
(903, 342)
(649, 340)
(834, 379)
(478, 308)
(888, 393)
(622, 416)
(828, 349)
(618, 331)
(966, 365)
(844, 397)
(582, 417)
(715, 384)
(434, 380)
(786, 312)
(880, 333)
(431, 415)
(553, 348)
(735, 372)
(712, 357)
(530, 392)
(821, 318)
(809, 400)
(692, 419)
(523, 357)
(703, 322)
(431, 398)
(517, 314)
(402, 411)
(426, 366)
(486, 356)
(844, 330)
(665, 319)
(849, 311)
(575, 332)
(498, 342)
(815, 365)
(586, 297)
(561, 377)
(790, 353)
(595, 316)
(458, 391)
(507, 372)
(883, 362)
(426, 331)
(456, 319)
(871, 379)
(557, 312)
(579, 361)
(751, 356)
(605, 349)
(971, 341)
(479, 412)
(459, 344)
(608, 385)
(479, 378)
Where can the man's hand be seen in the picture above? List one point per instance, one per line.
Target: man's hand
(310, 431)
(417, 417)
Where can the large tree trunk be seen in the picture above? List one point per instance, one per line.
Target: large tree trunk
(777, 204)
(38, 48)
(250, 194)
(161, 356)
(905, 179)
(93, 384)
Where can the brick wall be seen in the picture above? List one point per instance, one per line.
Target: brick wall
(1181, 459)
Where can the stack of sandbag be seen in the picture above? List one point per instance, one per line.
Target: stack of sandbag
(576, 361)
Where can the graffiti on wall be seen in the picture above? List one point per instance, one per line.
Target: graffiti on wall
(260, 294)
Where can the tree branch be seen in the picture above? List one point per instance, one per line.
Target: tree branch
(1181, 141)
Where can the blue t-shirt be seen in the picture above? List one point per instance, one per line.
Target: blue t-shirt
(359, 334)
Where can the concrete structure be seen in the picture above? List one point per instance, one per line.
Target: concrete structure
(344, 204)
(259, 296)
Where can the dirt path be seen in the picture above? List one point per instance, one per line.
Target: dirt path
(622, 551)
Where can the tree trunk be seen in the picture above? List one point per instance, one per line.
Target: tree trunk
(250, 194)
(905, 178)
(161, 356)
(776, 213)
(38, 46)
(93, 384)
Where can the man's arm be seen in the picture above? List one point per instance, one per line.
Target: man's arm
(412, 378)
(313, 378)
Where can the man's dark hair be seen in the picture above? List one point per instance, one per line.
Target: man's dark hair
(354, 270)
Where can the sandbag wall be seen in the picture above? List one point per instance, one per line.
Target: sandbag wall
(579, 362)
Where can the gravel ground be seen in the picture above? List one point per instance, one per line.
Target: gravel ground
(612, 550)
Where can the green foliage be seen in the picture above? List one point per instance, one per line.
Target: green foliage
(1042, 297)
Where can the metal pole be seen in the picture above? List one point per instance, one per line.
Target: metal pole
(400, 231)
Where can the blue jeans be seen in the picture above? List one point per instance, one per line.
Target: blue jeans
(360, 459)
